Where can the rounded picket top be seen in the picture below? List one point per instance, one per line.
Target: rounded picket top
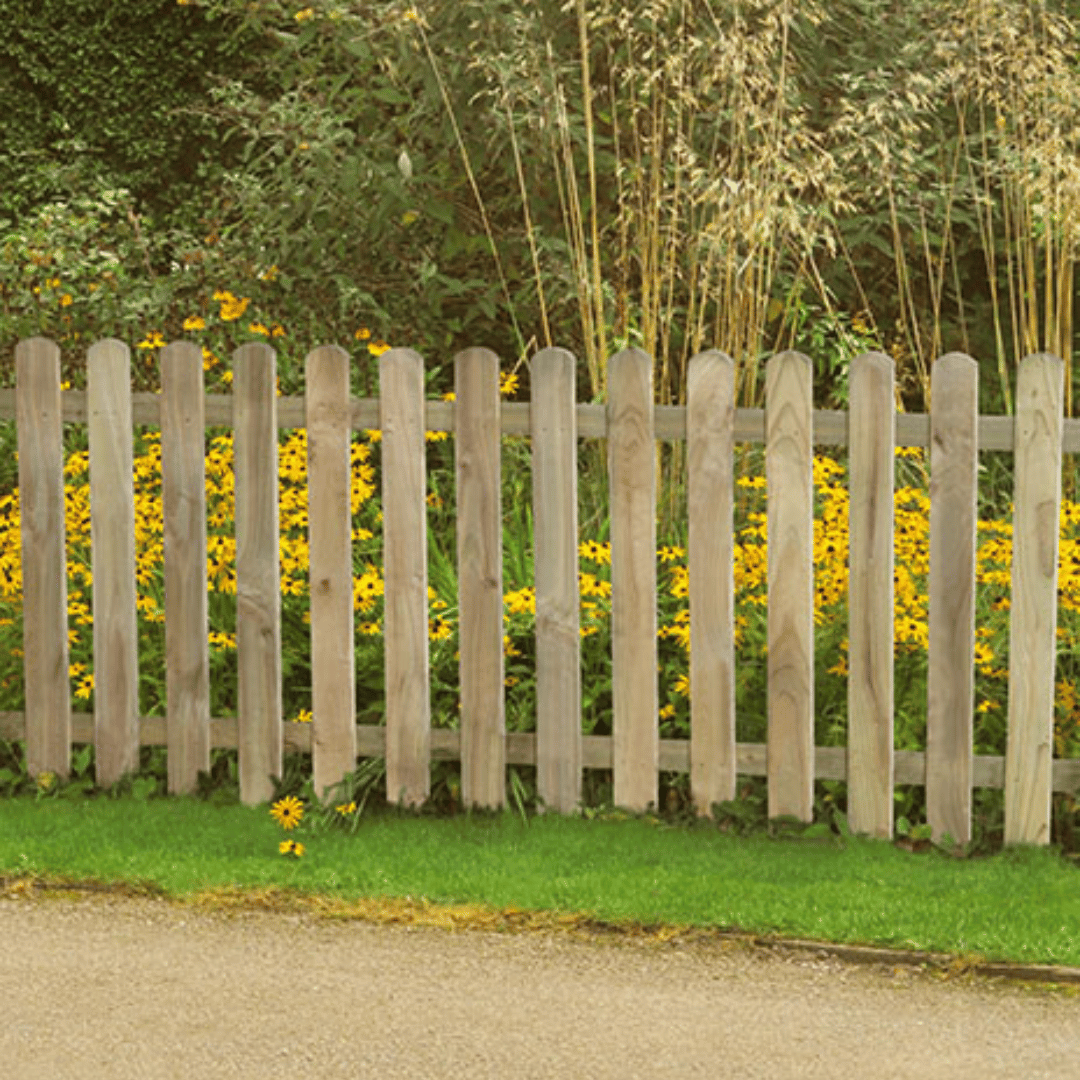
(399, 356)
(879, 360)
(632, 360)
(553, 359)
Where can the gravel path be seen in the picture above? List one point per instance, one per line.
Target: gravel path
(111, 989)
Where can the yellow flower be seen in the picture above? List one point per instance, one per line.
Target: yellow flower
(277, 330)
(258, 328)
(362, 334)
(153, 340)
(194, 322)
(291, 847)
(508, 384)
(521, 602)
(346, 808)
(304, 14)
(232, 307)
(594, 552)
(377, 348)
(288, 812)
(66, 300)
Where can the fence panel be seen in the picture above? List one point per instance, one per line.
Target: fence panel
(41, 512)
(480, 597)
(555, 537)
(710, 434)
(954, 491)
(112, 524)
(183, 497)
(632, 472)
(870, 594)
(789, 476)
(258, 576)
(405, 577)
(1033, 616)
(1038, 435)
(333, 682)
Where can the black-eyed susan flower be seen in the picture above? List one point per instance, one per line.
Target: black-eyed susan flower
(288, 812)
(291, 847)
(153, 340)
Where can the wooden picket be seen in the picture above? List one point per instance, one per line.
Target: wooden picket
(333, 685)
(183, 499)
(1033, 613)
(112, 515)
(632, 425)
(558, 610)
(480, 593)
(710, 554)
(870, 595)
(789, 475)
(405, 609)
(258, 593)
(41, 507)
(632, 472)
(954, 492)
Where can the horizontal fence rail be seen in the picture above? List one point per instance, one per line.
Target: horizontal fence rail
(710, 424)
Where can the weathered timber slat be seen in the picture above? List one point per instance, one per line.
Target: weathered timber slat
(830, 427)
(44, 571)
(710, 562)
(1033, 604)
(790, 614)
(954, 490)
(183, 499)
(558, 603)
(477, 448)
(870, 595)
(112, 516)
(830, 762)
(330, 568)
(258, 575)
(632, 493)
(405, 578)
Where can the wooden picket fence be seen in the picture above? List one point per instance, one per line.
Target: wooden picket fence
(711, 425)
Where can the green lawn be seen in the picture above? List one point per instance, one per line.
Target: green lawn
(1022, 905)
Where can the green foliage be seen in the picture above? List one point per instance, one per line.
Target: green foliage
(347, 177)
(104, 94)
(79, 269)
